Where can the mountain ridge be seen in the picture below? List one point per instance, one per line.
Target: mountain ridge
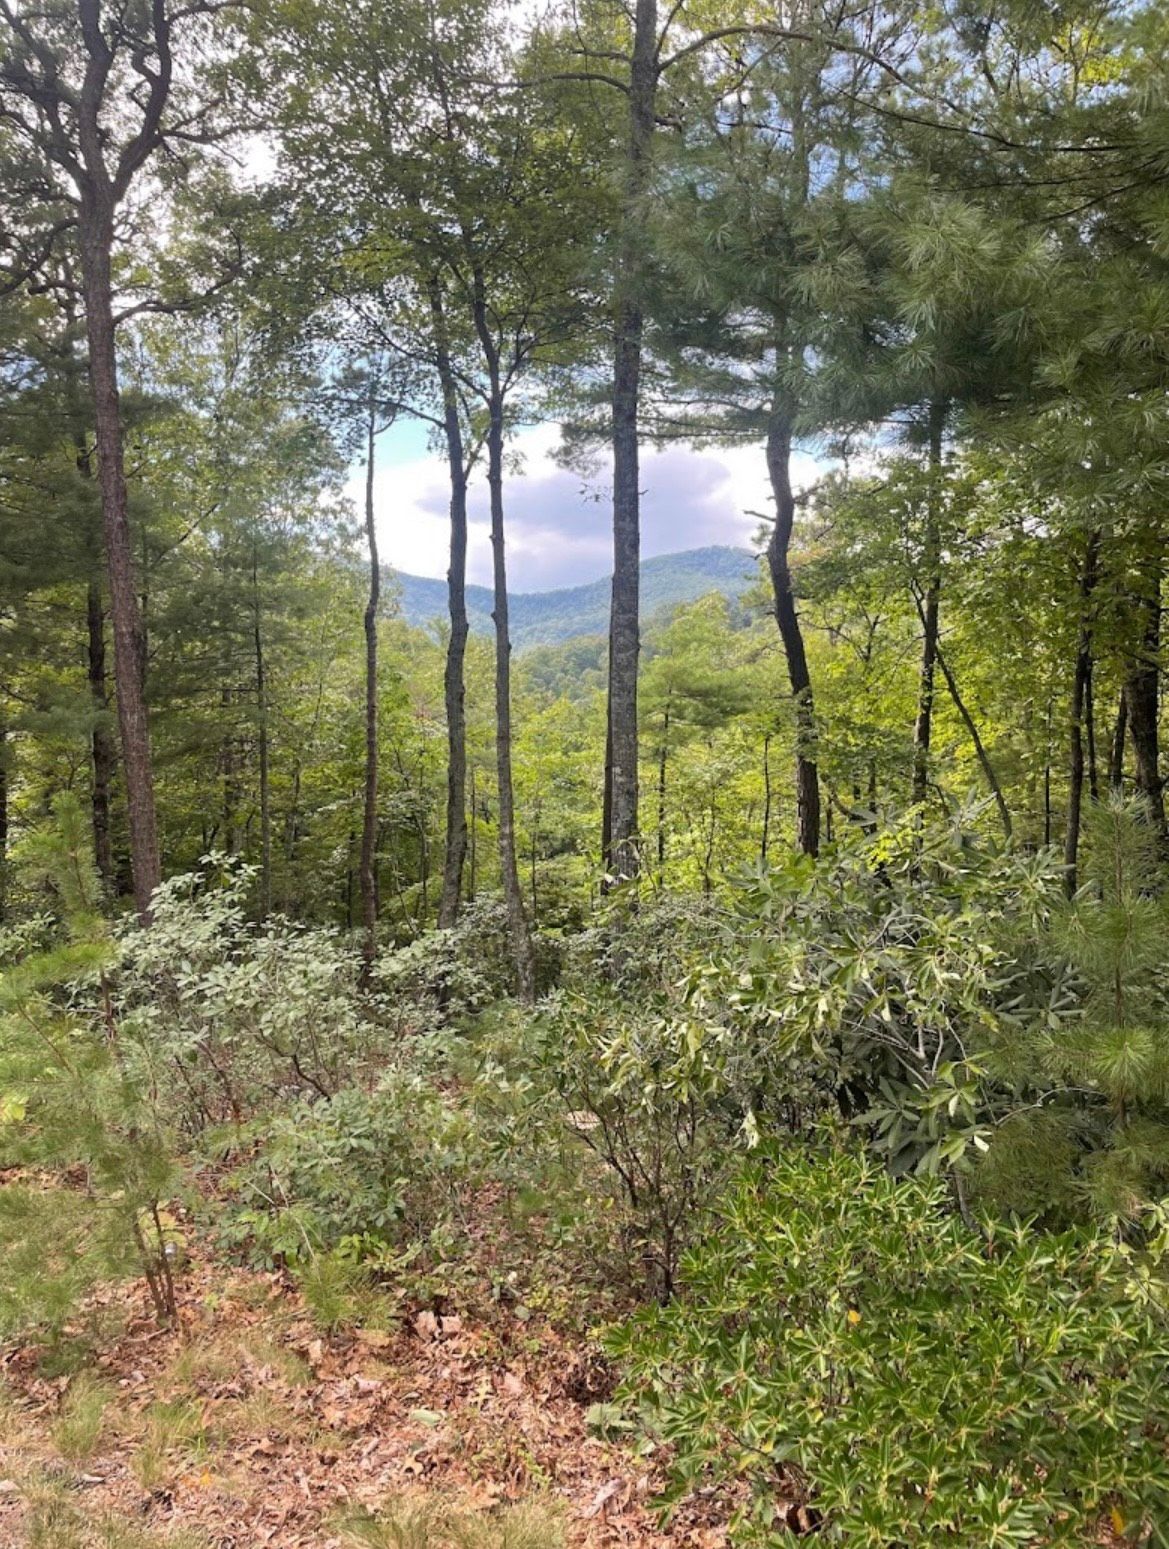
(567, 612)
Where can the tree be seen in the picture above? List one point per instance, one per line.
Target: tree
(95, 95)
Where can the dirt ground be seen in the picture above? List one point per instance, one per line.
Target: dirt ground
(243, 1425)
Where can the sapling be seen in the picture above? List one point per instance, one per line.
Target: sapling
(67, 1098)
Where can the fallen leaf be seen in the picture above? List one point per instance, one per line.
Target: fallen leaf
(607, 1494)
(426, 1325)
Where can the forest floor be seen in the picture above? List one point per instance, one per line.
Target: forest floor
(244, 1425)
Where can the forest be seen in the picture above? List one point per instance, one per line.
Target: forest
(677, 1059)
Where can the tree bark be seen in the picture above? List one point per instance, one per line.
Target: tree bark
(474, 847)
(982, 755)
(96, 234)
(765, 836)
(930, 611)
(102, 752)
(663, 755)
(1142, 693)
(779, 446)
(619, 839)
(263, 749)
(367, 866)
(101, 743)
(453, 685)
(1080, 677)
(4, 797)
(518, 930)
(1116, 751)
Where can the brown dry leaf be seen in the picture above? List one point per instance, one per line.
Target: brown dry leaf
(611, 1496)
(426, 1325)
(374, 1338)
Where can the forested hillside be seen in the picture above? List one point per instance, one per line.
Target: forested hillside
(674, 1059)
(547, 618)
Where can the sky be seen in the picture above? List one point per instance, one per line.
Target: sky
(558, 523)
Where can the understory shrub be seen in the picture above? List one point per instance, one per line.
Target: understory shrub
(846, 1355)
(652, 1091)
(70, 1098)
(224, 1017)
(387, 1165)
(452, 973)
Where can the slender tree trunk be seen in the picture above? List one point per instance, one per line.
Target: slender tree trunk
(765, 836)
(4, 797)
(619, 839)
(663, 754)
(1116, 751)
(367, 868)
(473, 835)
(453, 685)
(1090, 732)
(930, 608)
(1080, 678)
(1142, 693)
(982, 755)
(779, 446)
(229, 769)
(101, 743)
(534, 855)
(263, 749)
(521, 940)
(96, 233)
(102, 752)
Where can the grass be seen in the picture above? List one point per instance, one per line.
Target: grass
(434, 1524)
(56, 1521)
(78, 1431)
(175, 1435)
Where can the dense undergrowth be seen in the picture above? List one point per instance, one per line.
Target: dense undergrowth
(859, 1162)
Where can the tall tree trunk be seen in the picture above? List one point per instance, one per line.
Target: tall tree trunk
(453, 685)
(367, 866)
(230, 772)
(1142, 693)
(930, 608)
(663, 754)
(1080, 677)
(619, 839)
(474, 881)
(765, 836)
(1116, 751)
(101, 743)
(4, 783)
(96, 234)
(1090, 732)
(982, 755)
(264, 750)
(521, 940)
(779, 447)
(102, 752)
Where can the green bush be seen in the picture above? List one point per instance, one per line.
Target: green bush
(384, 1165)
(848, 1354)
(224, 1018)
(70, 1094)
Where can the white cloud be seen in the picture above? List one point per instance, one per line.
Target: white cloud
(558, 524)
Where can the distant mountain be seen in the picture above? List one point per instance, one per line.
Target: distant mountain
(546, 618)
